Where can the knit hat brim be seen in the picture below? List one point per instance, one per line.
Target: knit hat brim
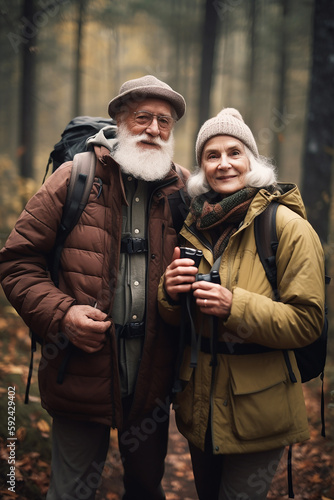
(228, 122)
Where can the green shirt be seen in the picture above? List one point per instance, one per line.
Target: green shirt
(129, 304)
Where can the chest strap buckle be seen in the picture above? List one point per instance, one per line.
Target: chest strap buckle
(131, 330)
(134, 245)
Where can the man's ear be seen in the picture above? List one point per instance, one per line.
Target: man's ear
(118, 119)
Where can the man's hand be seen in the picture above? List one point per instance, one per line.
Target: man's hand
(85, 327)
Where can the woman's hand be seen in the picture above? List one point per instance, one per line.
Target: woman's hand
(179, 275)
(212, 298)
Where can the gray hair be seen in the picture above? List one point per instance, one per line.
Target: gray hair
(262, 174)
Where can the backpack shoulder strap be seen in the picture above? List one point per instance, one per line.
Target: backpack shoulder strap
(184, 195)
(267, 243)
(179, 203)
(78, 190)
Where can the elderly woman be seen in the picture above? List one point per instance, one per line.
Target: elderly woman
(237, 405)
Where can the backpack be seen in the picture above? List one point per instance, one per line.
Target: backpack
(73, 146)
(310, 359)
(74, 137)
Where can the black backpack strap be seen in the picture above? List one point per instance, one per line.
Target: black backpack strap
(82, 177)
(290, 481)
(33, 349)
(179, 203)
(267, 243)
(179, 209)
(47, 168)
(184, 195)
(79, 188)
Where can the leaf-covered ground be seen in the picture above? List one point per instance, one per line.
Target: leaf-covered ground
(313, 461)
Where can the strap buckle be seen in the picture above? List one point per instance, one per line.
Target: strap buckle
(134, 245)
(131, 330)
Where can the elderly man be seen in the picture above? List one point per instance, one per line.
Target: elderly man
(102, 320)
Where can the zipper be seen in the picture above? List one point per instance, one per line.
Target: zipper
(228, 259)
(200, 237)
(162, 237)
(227, 262)
(113, 401)
(112, 393)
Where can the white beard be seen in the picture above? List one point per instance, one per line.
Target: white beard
(148, 165)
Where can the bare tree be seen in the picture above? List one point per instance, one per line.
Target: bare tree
(209, 36)
(77, 89)
(318, 150)
(282, 74)
(252, 51)
(28, 98)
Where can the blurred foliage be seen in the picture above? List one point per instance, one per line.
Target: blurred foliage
(32, 423)
(14, 193)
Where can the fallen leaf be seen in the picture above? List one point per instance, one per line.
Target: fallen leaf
(21, 433)
(43, 426)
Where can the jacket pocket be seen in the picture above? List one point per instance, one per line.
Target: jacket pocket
(184, 400)
(259, 396)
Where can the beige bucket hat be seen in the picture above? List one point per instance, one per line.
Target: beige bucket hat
(134, 91)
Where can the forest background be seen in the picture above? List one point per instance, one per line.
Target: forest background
(273, 60)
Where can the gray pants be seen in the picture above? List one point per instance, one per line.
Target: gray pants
(246, 476)
(79, 451)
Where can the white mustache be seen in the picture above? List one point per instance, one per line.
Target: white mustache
(152, 140)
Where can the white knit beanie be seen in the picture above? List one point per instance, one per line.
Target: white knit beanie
(228, 122)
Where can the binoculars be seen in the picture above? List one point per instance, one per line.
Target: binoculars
(196, 255)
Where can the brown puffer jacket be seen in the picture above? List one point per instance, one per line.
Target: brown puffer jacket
(90, 389)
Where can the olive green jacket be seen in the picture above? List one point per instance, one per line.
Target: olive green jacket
(254, 405)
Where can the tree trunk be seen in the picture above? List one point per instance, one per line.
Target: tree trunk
(251, 73)
(208, 53)
(318, 150)
(282, 73)
(77, 91)
(28, 99)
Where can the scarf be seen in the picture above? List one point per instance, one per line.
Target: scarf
(221, 216)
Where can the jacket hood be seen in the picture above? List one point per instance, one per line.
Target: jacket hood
(292, 198)
(105, 137)
(288, 195)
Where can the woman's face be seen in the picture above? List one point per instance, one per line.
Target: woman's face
(225, 164)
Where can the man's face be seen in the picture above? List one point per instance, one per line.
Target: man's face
(132, 120)
(145, 140)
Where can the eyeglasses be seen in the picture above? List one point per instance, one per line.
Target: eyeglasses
(145, 118)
